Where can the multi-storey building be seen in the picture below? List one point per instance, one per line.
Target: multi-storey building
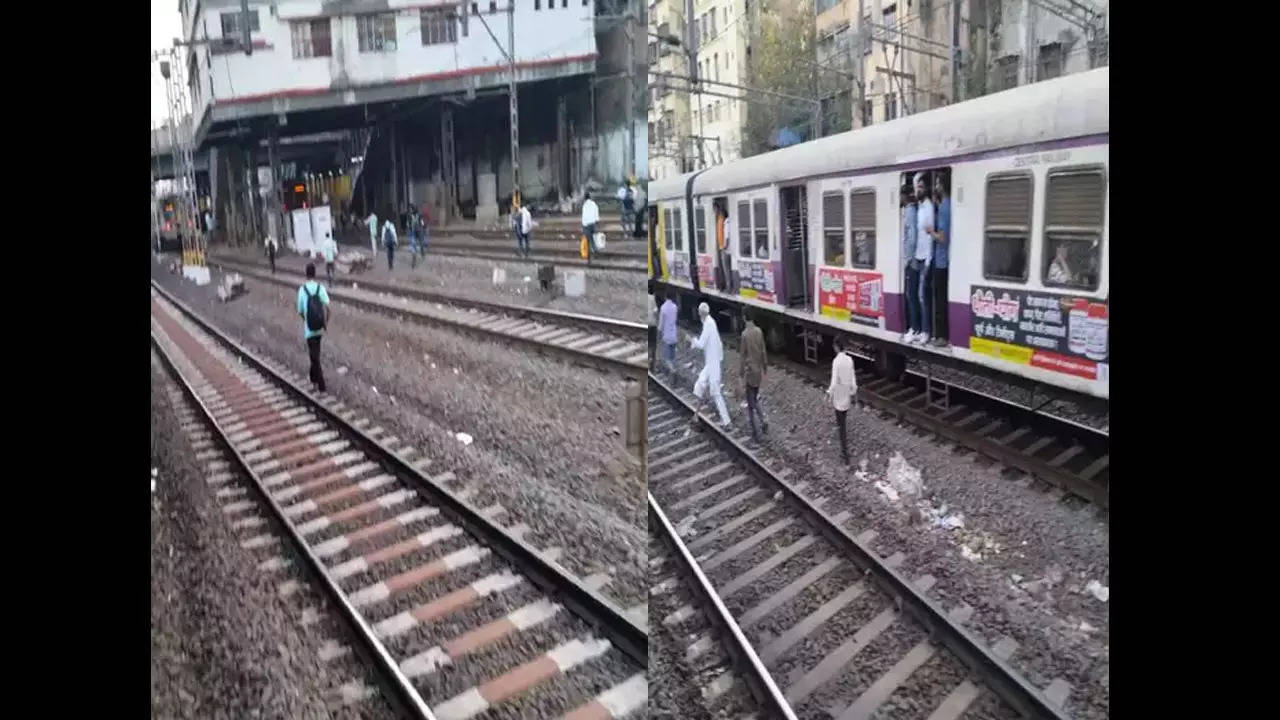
(889, 58)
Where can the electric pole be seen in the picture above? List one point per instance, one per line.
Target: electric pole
(193, 240)
(631, 91)
(515, 104)
(245, 41)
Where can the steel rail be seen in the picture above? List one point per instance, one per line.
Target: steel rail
(758, 677)
(403, 692)
(589, 322)
(1003, 679)
(589, 605)
(579, 354)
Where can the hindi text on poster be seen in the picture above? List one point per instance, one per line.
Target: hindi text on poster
(1063, 333)
(755, 279)
(851, 295)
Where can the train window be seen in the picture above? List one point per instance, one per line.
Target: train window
(760, 228)
(700, 227)
(833, 229)
(1074, 208)
(666, 228)
(744, 229)
(862, 204)
(1007, 241)
(677, 229)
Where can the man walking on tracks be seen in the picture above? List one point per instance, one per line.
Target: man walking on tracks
(843, 388)
(271, 252)
(372, 222)
(712, 354)
(667, 333)
(524, 226)
(389, 240)
(590, 216)
(329, 248)
(754, 362)
(313, 306)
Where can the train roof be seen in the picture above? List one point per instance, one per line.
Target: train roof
(1066, 107)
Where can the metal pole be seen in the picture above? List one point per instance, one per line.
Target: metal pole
(955, 51)
(515, 104)
(631, 94)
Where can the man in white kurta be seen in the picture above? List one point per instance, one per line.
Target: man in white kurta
(712, 354)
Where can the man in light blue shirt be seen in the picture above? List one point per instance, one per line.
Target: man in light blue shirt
(314, 321)
(941, 253)
(667, 333)
(911, 274)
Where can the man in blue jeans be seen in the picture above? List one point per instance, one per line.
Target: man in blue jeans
(667, 334)
(941, 251)
(313, 289)
(911, 272)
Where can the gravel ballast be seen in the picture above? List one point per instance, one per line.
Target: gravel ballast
(224, 644)
(1023, 559)
(545, 438)
(609, 293)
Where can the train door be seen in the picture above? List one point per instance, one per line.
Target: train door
(795, 246)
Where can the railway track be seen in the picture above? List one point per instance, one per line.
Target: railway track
(598, 341)
(1060, 452)
(698, 641)
(840, 630)
(458, 613)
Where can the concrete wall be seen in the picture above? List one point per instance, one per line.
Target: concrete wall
(548, 34)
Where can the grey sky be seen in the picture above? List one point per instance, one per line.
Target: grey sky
(166, 24)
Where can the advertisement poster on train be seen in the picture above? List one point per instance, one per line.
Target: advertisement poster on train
(679, 266)
(851, 295)
(704, 270)
(755, 278)
(1061, 333)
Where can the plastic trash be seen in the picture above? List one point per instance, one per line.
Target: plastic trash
(464, 438)
(1098, 590)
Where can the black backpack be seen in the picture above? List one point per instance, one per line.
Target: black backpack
(315, 310)
(387, 237)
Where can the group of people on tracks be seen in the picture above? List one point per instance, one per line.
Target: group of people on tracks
(753, 364)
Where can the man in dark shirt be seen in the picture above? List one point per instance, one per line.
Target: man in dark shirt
(754, 363)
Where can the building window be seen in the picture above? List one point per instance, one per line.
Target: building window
(716, 65)
(377, 32)
(1006, 74)
(311, 38)
(711, 18)
(744, 229)
(866, 113)
(1007, 237)
(231, 23)
(564, 3)
(1050, 65)
(439, 26)
(862, 204)
(1075, 206)
(537, 4)
(833, 229)
(760, 228)
(890, 106)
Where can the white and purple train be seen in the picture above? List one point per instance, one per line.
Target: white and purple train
(811, 234)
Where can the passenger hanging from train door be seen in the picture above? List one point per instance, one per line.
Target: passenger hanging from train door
(941, 259)
(924, 255)
(722, 225)
(712, 354)
(842, 391)
(911, 270)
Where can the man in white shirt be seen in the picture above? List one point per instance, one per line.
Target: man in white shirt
(525, 227)
(372, 222)
(843, 387)
(389, 239)
(712, 354)
(924, 257)
(590, 216)
(329, 248)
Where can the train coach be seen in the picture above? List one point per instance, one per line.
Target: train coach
(812, 234)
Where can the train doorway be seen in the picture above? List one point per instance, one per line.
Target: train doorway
(795, 247)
